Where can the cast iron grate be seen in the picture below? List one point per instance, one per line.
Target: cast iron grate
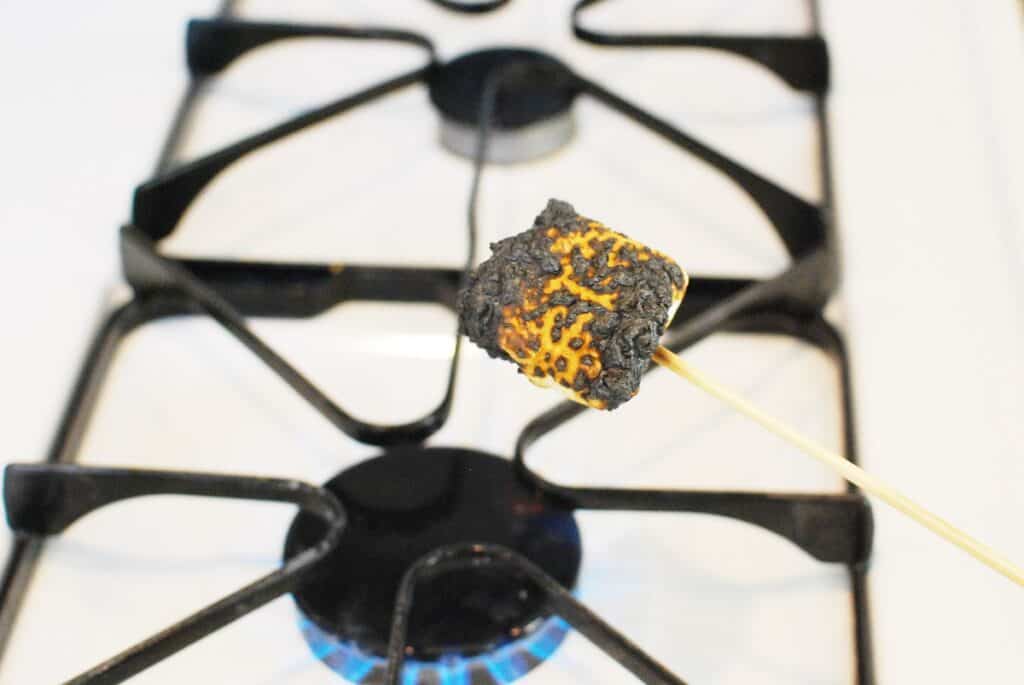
(44, 499)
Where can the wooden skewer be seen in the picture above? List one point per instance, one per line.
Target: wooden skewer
(846, 469)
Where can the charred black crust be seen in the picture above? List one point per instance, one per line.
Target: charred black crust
(623, 339)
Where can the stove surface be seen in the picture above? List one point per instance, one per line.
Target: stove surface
(719, 602)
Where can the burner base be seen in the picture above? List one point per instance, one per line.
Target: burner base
(510, 146)
(404, 504)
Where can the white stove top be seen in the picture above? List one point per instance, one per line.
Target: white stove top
(926, 166)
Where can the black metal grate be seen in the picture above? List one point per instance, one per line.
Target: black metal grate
(44, 499)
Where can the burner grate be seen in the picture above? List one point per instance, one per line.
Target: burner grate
(43, 499)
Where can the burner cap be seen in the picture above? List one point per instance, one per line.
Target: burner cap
(540, 90)
(491, 624)
(532, 112)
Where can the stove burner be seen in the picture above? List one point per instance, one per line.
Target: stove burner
(532, 112)
(489, 625)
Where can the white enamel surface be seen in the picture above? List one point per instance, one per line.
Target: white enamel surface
(929, 174)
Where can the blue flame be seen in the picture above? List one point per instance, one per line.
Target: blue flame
(505, 665)
(547, 639)
(453, 671)
(411, 673)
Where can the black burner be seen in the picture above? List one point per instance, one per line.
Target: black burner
(531, 115)
(537, 87)
(412, 500)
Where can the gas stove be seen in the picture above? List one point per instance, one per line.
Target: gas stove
(287, 337)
